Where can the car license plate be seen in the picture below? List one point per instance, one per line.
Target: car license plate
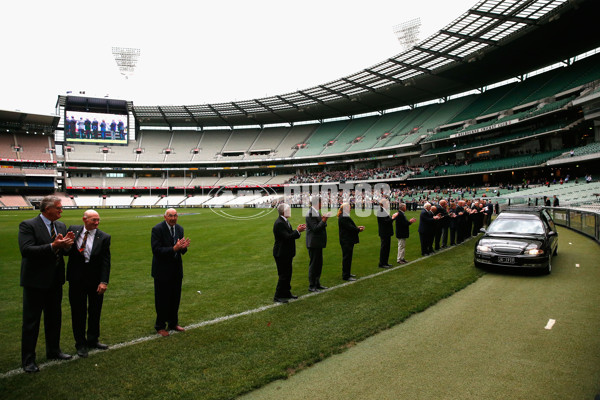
(506, 260)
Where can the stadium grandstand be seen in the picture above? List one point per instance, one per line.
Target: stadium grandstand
(506, 95)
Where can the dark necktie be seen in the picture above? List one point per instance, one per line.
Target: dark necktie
(53, 237)
(84, 242)
(173, 235)
(288, 224)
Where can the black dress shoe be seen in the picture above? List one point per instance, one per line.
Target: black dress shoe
(322, 287)
(350, 279)
(352, 276)
(31, 368)
(279, 300)
(293, 296)
(82, 352)
(384, 266)
(98, 345)
(60, 356)
(313, 289)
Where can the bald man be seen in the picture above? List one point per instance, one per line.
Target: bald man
(168, 245)
(88, 270)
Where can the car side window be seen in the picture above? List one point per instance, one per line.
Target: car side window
(548, 220)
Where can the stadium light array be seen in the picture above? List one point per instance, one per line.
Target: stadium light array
(126, 59)
(407, 33)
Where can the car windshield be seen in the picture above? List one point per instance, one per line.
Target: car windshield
(518, 226)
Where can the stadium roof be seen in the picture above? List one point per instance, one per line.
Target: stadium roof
(23, 122)
(493, 41)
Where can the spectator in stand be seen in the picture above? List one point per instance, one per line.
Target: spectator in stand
(555, 203)
(348, 233)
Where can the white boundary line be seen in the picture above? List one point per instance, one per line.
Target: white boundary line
(226, 317)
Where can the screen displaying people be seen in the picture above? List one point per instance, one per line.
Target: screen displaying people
(95, 127)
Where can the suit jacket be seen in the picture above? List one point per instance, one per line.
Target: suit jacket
(98, 268)
(402, 226)
(385, 225)
(426, 222)
(285, 239)
(40, 267)
(348, 231)
(316, 233)
(166, 262)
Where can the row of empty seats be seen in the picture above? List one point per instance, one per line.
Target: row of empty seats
(21, 146)
(159, 182)
(570, 193)
(223, 199)
(490, 165)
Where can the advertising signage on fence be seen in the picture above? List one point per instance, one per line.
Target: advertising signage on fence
(484, 129)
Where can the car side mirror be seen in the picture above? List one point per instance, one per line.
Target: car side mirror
(482, 230)
(551, 233)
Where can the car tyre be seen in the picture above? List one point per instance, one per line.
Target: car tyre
(548, 269)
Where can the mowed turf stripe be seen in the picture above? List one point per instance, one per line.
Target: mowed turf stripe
(219, 319)
(486, 342)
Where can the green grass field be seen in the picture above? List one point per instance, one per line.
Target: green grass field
(230, 262)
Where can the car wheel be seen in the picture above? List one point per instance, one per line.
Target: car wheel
(549, 267)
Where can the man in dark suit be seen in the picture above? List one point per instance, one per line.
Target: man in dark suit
(348, 234)
(402, 232)
(168, 245)
(385, 228)
(43, 240)
(284, 251)
(88, 270)
(426, 229)
(316, 241)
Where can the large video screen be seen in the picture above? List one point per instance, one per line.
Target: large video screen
(87, 127)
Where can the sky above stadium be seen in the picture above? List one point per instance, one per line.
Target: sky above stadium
(197, 52)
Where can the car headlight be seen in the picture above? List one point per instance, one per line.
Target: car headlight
(534, 252)
(484, 249)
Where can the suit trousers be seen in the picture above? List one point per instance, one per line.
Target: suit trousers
(167, 295)
(425, 243)
(315, 266)
(453, 240)
(384, 250)
(401, 249)
(284, 271)
(86, 303)
(444, 236)
(36, 300)
(347, 250)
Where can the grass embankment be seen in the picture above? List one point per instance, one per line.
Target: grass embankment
(231, 263)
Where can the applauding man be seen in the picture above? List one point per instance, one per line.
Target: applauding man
(43, 241)
(284, 251)
(87, 272)
(168, 245)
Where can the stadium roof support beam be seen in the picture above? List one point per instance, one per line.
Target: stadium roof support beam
(336, 92)
(218, 114)
(192, 116)
(165, 117)
(439, 53)
(308, 96)
(469, 38)
(380, 75)
(501, 17)
(410, 66)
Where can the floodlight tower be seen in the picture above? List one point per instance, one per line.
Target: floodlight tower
(407, 33)
(126, 59)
